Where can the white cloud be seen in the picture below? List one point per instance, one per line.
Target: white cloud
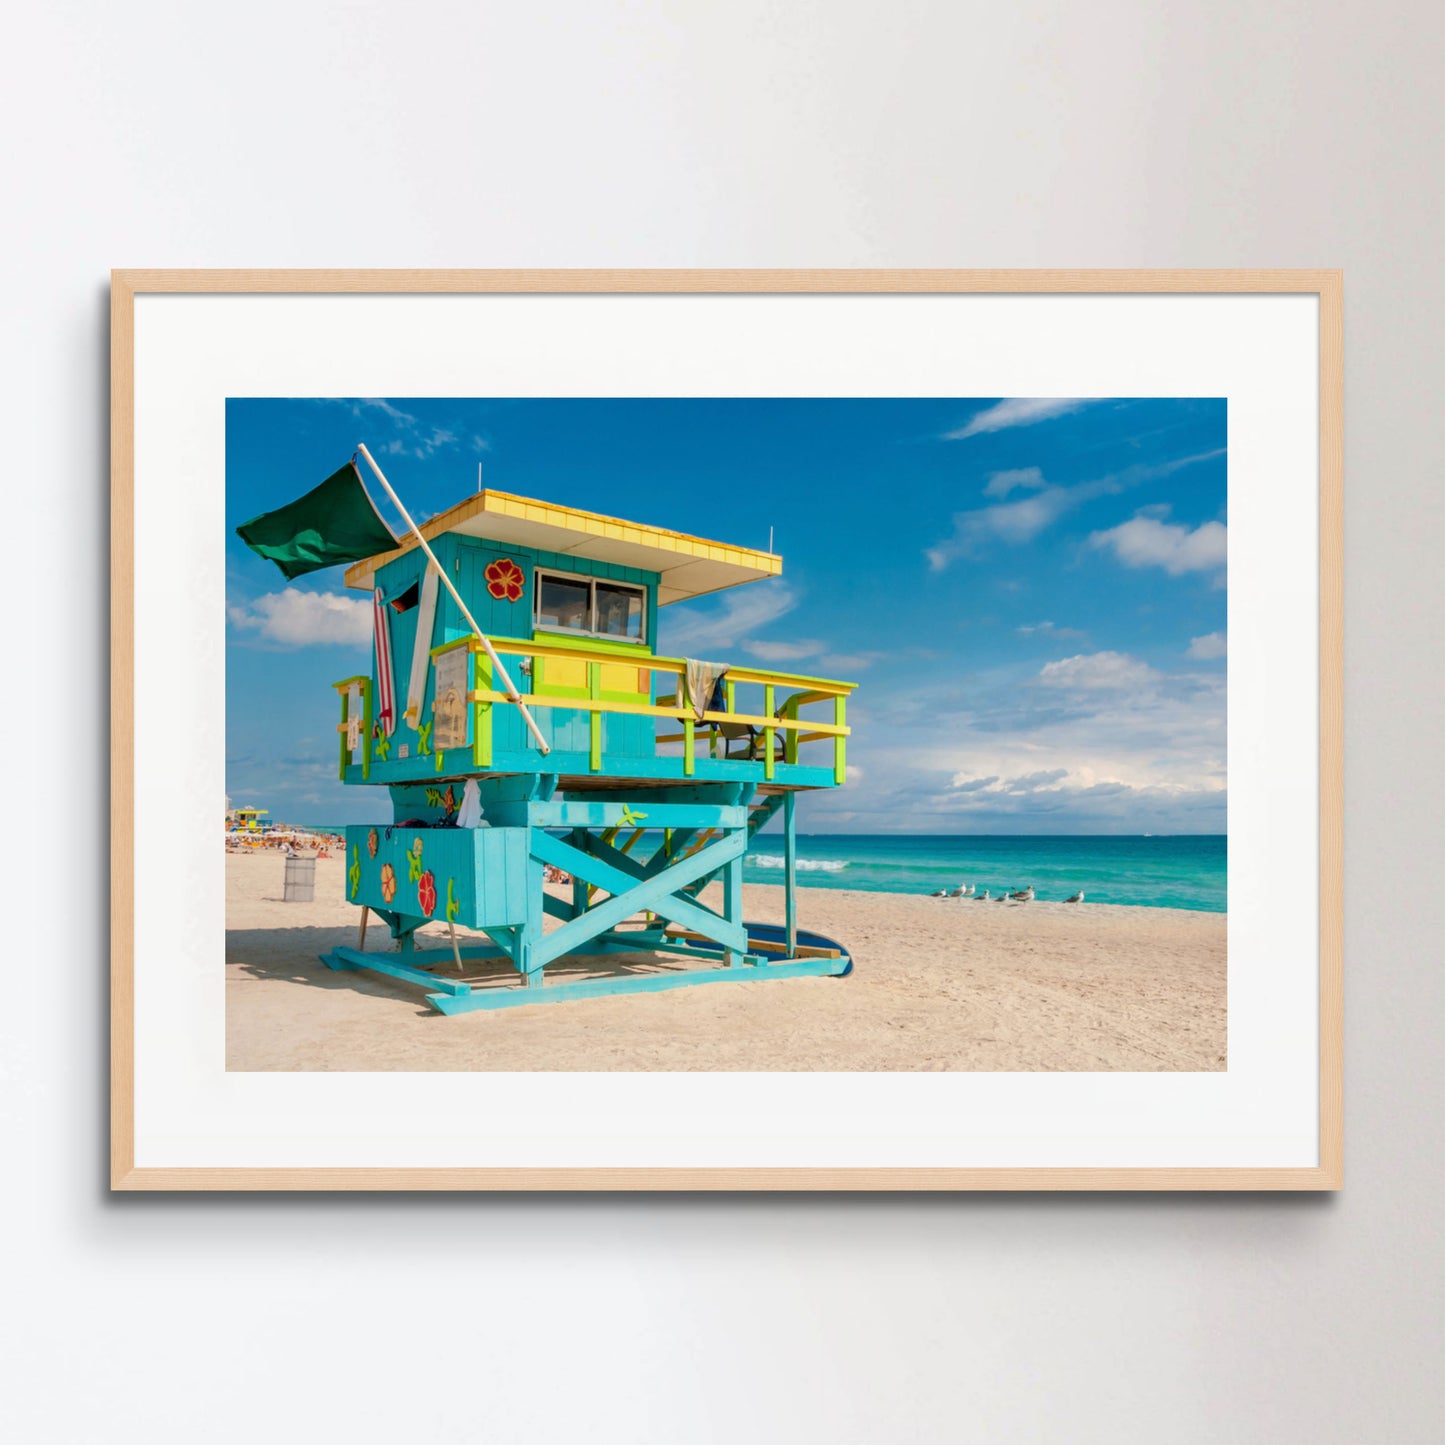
(783, 651)
(722, 628)
(1048, 629)
(1021, 521)
(1098, 670)
(1000, 484)
(411, 437)
(302, 619)
(1211, 645)
(1016, 411)
(1009, 522)
(842, 665)
(1149, 541)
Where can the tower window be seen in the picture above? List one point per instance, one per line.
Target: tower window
(567, 603)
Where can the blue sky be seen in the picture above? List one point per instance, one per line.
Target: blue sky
(1030, 593)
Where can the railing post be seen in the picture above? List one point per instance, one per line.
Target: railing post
(689, 726)
(840, 743)
(481, 711)
(790, 740)
(366, 718)
(594, 718)
(768, 733)
(345, 718)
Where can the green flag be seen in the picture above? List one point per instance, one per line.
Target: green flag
(333, 523)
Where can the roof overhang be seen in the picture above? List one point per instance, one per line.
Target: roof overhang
(687, 566)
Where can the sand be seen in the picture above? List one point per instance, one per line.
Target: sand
(936, 984)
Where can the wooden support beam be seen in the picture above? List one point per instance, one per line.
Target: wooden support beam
(349, 958)
(658, 893)
(624, 880)
(500, 998)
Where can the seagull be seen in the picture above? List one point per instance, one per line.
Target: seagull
(983, 897)
(1024, 895)
(1002, 898)
(962, 891)
(1077, 898)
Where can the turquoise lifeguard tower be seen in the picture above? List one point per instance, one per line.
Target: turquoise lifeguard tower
(641, 777)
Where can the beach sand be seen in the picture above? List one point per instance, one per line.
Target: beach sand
(936, 984)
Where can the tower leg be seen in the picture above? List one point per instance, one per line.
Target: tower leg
(790, 873)
(732, 881)
(530, 933)
(579, 888)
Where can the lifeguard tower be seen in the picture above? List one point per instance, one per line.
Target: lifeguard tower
(248, 820)
(656, 774)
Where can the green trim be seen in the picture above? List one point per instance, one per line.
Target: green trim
(589, 643)
(481, 711)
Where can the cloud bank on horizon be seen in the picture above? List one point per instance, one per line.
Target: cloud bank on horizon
(1030, 591)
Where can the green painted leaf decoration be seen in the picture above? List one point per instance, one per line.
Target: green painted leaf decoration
(434, 797)
(454, 905)
(631, 819)
(413, 863)
(353, 874)
(423, 739)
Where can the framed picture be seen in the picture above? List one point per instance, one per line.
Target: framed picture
(726, 730)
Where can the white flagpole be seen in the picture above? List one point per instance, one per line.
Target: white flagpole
(502, 675)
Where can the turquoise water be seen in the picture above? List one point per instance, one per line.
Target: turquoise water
(1187, 871)
(1162, 872)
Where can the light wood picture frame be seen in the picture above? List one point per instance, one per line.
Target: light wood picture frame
(128, 286)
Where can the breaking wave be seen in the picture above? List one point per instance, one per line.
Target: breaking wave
(805, 865)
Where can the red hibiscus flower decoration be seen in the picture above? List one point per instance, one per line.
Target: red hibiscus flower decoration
(426, 893)
(505, 579)
(388, 882)
(371, 842)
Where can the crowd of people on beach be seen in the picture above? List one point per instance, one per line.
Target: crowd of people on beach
(314, 845)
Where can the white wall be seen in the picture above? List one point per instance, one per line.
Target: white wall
(1204, 133)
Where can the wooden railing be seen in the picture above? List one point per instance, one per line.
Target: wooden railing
(780, 714)
(361, 723)
(784, 696)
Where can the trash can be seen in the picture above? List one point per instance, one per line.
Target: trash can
(300, 880)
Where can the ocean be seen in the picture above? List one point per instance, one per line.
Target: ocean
(1187, 871)
(1167, 871)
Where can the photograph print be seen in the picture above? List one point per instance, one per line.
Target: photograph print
(815, 734)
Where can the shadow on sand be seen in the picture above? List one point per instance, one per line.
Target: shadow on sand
(292, 955)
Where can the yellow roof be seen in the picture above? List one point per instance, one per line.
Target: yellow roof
(688, 566)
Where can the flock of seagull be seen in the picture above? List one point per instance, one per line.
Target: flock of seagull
(1021, 895)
